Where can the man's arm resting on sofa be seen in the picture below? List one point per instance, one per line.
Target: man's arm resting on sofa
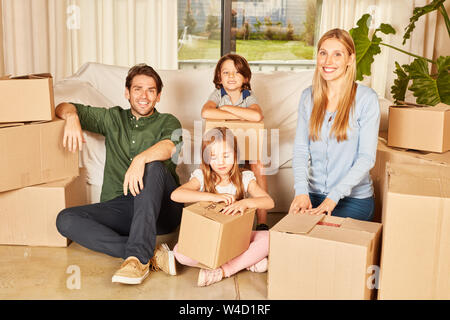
(73, 134)
(133, 179)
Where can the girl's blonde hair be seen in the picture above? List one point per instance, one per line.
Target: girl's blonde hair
(347, 96)
(211, 178)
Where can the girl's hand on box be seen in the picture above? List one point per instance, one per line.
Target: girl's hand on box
(237, 207)
(300, 204)
(224, 197)
(73, 134)
(327, 206)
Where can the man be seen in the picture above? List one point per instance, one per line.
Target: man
(139, 177)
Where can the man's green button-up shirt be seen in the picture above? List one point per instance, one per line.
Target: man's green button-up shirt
(126, 137)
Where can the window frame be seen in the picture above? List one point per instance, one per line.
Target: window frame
(228, 44)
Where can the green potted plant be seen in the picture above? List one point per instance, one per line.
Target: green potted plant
(429, 89)
(410, 125)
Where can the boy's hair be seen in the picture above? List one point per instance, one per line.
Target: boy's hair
(144, 69)
(211, 178)
(241, 65)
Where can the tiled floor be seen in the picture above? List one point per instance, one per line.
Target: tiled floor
(50, 273)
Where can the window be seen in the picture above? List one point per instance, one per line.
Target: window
(270, 34)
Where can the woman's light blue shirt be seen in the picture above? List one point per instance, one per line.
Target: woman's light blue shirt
(337, 169)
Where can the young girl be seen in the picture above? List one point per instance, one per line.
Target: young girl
(234, 100)
(219, 179)
(337, 135)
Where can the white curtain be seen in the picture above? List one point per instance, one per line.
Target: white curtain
(345, 13)
(58, 36)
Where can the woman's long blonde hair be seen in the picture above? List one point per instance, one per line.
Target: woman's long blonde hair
(347, 95)
(210, 177)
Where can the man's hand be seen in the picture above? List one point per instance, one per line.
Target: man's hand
(300, 204)
(134, 177)
(73, 134)
(327, 206)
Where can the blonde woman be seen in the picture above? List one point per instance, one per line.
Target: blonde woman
(337, 133)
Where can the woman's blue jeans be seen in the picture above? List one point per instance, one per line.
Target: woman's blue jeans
(361, 209)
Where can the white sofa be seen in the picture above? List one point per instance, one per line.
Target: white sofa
(183, 95)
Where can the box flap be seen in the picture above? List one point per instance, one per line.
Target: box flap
(11, 124)
(426, 180)
(212, 210)
(440, 107)
(57, 184)
(359, 225)
(234, 124)
(298, 223)
(33, 76)
(440, 158)
(356, 237)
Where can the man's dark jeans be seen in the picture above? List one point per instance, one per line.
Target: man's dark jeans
(127, 225)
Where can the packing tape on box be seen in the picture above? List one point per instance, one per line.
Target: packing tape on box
(217, 207)
(214, 207)
(322, 223)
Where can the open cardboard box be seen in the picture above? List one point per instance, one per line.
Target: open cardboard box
(27, 98)
(415, 255)
(211, 237)
(323, 257)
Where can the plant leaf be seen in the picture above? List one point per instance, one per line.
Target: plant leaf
(443, 79)
(417, 13)
(400, 85)
(366, 48)
(425, 88)
(386, 28)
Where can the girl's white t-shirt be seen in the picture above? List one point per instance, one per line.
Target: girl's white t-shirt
(247, 176)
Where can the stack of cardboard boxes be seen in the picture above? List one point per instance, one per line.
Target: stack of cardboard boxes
(413, 201)
(39, 177)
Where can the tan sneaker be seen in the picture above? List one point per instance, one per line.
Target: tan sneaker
(163, 259)
(132, 271)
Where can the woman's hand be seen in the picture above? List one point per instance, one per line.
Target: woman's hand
(224, 197)
(300, 204)
(238, 206)
(327, 206)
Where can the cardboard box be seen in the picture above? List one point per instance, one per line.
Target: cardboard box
(211, 237)
(426, 129)
(32, 154)
(249, 135)
(27, 98)
(28, 215)
(415, 258)
(322, 257)
(387, 154)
